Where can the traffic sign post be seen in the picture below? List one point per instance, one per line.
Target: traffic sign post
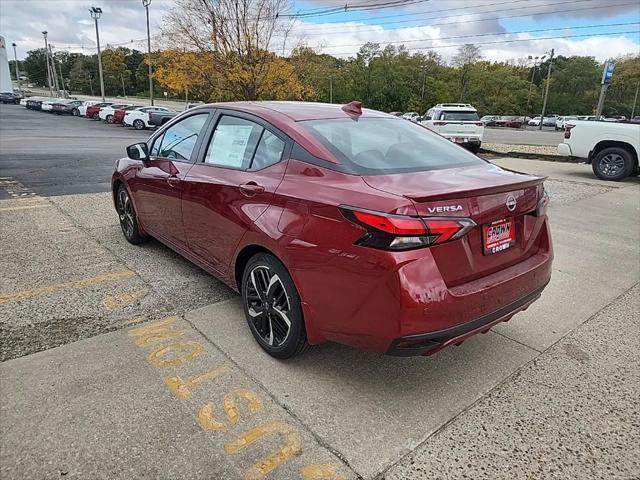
(607, 75)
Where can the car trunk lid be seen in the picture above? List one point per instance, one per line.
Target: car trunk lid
(487, 194)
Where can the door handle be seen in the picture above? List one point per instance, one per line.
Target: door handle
(250, 189)
(173, 181)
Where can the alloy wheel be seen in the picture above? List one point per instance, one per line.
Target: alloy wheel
(268, 305)
(125, 212)
(611, 164)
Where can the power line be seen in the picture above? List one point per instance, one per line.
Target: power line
(351, 7)
(331, 32)
(575, 27)
(513, 41)
(482, 5)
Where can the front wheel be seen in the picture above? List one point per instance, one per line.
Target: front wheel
(127, 216)
(138, 124)
(96, 116)
(109, 118)
(613, 163)
(75, 112)
(272, 307)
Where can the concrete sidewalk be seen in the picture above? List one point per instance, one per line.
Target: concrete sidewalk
(550, 394)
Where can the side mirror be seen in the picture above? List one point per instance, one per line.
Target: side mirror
(139, 151)
(427, 117)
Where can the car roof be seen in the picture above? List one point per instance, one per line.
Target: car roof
(294, 111)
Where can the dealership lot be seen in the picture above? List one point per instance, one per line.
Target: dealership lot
(97, 392)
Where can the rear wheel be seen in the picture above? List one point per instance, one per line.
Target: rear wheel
(96, 116)
(613, 163)
(474, 148)
(138, 124)
(127, 216)
(109, 118)
(75, 112)
(272, 307)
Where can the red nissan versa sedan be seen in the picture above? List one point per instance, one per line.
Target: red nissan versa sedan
(340, 223)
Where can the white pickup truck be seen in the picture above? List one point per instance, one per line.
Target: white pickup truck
(611, 148)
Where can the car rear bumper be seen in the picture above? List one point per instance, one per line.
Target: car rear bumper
(430, 343)
(564, 150)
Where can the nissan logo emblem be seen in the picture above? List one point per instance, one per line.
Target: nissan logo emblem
(511, 203)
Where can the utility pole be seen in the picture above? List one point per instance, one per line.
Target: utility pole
(91, 85)
(424, 81)
(96, 12)
(606, 81)
(54, 72)
(635, 100)
(15, 56)
(124, 92)
(146, 4)
(546, 90)
(46, 53)
(61, 76)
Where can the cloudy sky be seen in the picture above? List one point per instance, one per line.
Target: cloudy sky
(505, 29)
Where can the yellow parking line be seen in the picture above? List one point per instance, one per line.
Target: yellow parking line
(86, 282)
(24, 207)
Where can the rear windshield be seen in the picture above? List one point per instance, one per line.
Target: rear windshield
(464, 116)
(371, 146)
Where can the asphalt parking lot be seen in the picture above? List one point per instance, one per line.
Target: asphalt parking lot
(130, 362)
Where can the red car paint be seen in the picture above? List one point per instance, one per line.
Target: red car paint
(118, 115)
(93, 110)
(402, 302)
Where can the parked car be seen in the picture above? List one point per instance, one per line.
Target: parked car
(138, 118)
(35, 103)
(611, 148)
(67, 108)
(8, 97)
(534, 122)
(459, 122)
(106, 113)
(82, 109)
(560, 121)
(490, 120)
(118, 114)
(292, 202)
(93, 111)
(157, 119)
(47, 105)
(396, 114)
(411, 116)
(510, 121)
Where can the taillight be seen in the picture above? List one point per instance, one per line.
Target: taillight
(543, 201)
(567, 130)
(403, 232)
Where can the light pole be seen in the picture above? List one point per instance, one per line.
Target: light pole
(546, 90)
(15, 56)
(95, 14)
(46, 52)
(146, 4)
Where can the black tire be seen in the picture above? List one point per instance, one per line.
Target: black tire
(613, 163)
(75, 112)
(127, 216)
(474, 148)
(96, 116)
(266, 282)
(109, 118)
(139, 124)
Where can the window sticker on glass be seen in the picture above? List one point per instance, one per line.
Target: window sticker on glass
(229, 145)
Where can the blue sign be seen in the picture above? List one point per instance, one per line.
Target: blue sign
(608, 72)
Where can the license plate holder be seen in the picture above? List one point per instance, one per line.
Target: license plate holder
(498, 236)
